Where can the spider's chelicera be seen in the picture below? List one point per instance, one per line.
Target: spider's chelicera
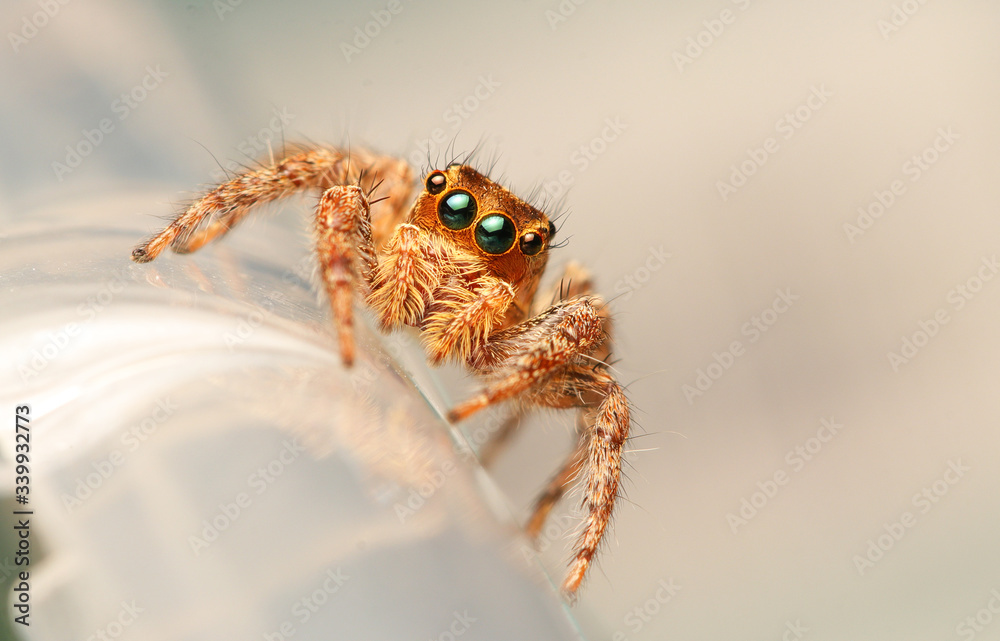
(462, 264)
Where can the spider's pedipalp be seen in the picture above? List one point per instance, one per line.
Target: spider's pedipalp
(466, 318)
(404, 280)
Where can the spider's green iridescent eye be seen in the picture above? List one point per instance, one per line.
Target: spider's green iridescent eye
(457, 210)
(436, 182)
(495, 234)
(531, 243)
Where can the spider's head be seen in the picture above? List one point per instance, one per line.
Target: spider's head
(480, 218)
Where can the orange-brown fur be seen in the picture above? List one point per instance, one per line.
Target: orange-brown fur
(472, 302)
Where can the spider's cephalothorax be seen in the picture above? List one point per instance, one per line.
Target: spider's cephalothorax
(462, 264)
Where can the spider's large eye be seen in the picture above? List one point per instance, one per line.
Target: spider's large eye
(531, 243)
(436, 182)
(495, 234)
(457, 210)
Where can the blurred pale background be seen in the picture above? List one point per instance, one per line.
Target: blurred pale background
(716, 160)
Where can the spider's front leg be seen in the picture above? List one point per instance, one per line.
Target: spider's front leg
(546, 361)
(346, 256)
(347, 244)
(216, 212)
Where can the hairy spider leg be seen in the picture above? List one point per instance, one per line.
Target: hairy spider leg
(548, 360)
(216, 212)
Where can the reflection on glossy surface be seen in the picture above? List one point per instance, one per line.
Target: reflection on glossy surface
(205, 468)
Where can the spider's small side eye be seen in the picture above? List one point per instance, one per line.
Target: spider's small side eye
(552, 230)
(531, 243)
(436, 182)
(495, 234)
(457, 209)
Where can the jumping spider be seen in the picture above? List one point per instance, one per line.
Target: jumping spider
(462, 264)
